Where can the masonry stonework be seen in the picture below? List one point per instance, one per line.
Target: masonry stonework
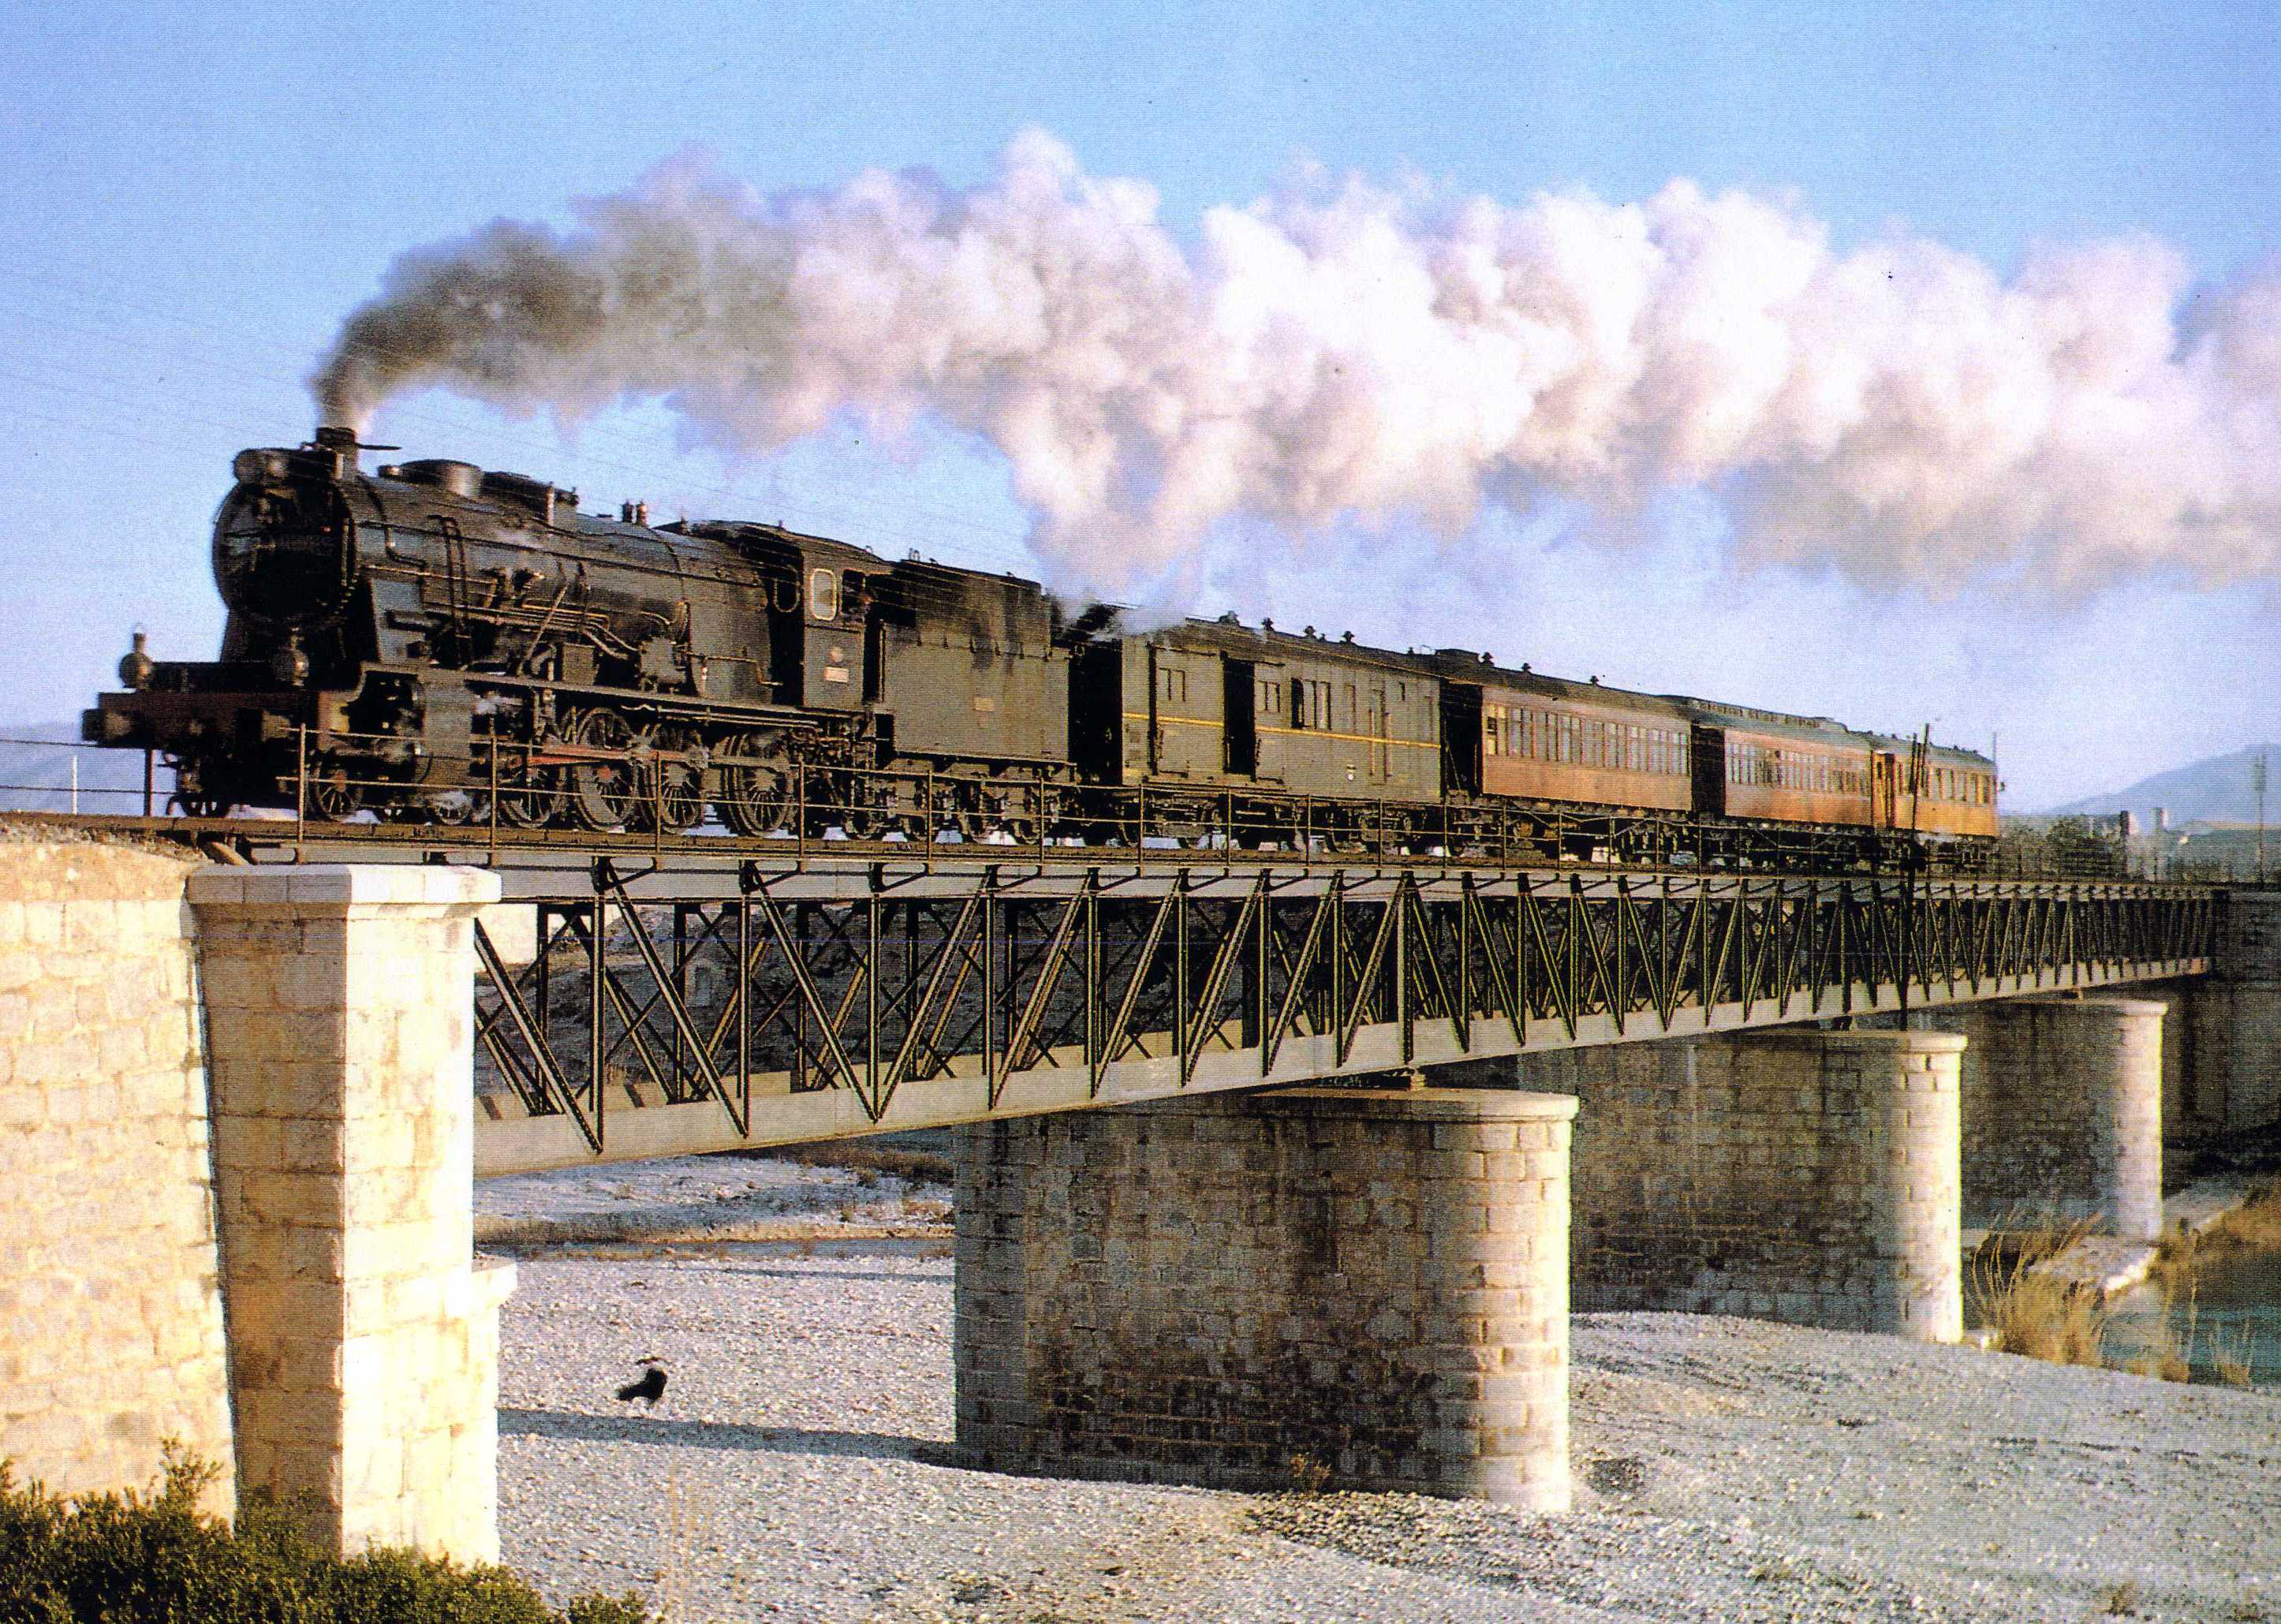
(2062, 1113)
(110, 1322)
(365, 1342)
(1245, 1291)
(1803, 1176)
(2237, 1017)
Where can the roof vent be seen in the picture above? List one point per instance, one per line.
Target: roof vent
(460, 478)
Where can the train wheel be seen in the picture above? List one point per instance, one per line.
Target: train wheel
(602, 794)
(1035, 813)
(858, 820)
(530, 797)
(333, 793)
(199, 803)
(757, 794)
(449, 808)
(671, 782)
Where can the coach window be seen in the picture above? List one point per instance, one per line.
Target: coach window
(823, 595)
(1492, 729)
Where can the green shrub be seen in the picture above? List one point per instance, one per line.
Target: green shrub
(153, 1557)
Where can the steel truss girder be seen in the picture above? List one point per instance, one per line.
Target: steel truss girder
(767, 1010)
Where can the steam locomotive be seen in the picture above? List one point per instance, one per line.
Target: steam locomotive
(437, 642)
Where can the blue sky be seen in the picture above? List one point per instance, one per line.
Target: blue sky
(198, 195)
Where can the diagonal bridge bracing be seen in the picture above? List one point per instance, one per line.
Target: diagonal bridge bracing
(749, 1005)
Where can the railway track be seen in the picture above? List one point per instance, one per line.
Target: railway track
(291, 840)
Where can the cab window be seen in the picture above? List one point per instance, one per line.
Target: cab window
(823, 595)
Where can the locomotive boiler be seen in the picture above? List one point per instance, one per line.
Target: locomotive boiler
(433, 642)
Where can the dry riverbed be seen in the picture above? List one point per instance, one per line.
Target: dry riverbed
(1726, 1469)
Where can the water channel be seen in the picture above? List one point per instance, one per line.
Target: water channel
(2223, 1307)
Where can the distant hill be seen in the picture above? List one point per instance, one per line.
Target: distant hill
(2217, 790)
(36, 772)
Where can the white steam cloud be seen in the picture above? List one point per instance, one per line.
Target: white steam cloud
(1901, 412)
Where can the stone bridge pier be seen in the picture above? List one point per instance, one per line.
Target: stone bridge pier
(364, 1367)
(1325, 1285)
(2062, 1113)
(1789, 1174)
(1827, 1177)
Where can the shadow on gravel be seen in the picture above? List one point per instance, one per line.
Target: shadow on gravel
(890, 1276)
(706, 1434)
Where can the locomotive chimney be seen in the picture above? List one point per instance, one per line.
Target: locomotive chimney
(341, 441)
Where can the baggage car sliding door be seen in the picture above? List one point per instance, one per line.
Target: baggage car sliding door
(1240, 734)
(1096, 712)
(1461, 739)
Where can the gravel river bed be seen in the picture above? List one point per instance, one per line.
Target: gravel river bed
(1726, 1469)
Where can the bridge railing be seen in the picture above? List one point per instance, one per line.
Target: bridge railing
(661, 793)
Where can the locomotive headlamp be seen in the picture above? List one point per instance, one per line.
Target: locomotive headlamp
(259, 468)
(288, 665)
(135, 669)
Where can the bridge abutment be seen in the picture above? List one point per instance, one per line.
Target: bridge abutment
(2062, 1113)
(1805, 1176)
(1362, 1287)
(364, 1343)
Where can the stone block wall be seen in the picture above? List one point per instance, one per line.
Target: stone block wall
(2237, 1017)
(365, 1343)
(1795, 1175)
(111, 1315)
(2063, 1112)
(1236, 1290)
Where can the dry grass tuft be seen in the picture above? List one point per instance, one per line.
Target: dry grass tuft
(2121, 1600)
(2163, 1364)
(2033, 1312)
(2256, 1223)
(2232, 1355)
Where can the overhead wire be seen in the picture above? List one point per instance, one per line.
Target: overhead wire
(982, 534)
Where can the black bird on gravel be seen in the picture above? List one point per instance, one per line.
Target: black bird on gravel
(649, 1389)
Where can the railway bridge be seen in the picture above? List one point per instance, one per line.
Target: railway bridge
(1265, 1157)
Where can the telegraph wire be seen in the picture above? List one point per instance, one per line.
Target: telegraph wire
(987, 534)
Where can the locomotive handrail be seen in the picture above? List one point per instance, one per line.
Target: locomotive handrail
(913, 810)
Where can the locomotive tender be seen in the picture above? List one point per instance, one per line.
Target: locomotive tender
(435, 643)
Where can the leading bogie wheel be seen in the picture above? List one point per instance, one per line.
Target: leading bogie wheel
(529, 796)
(332, 792)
